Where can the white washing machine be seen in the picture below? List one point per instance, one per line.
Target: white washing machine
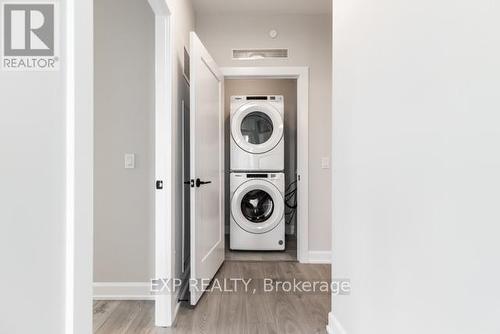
(257, 126)
(257, 211)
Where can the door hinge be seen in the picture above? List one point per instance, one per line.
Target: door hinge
(159, 184)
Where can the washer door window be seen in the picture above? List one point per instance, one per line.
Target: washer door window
(257, 127)
(257, 206)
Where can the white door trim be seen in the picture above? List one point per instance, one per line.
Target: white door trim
(164, 169)
(301, 73)
(78, 72)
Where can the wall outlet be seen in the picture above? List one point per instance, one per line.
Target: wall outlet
(325, 162)
(129, 160)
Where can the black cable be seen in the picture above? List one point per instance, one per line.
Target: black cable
(290, 185)
(292, 196)
(291, 201)
(291, 218)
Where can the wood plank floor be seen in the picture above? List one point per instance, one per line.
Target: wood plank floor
(232, 313)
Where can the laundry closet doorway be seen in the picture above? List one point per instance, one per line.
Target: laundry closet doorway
(284, 129)
(292, 84)
(295, 82)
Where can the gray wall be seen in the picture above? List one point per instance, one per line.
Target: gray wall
(124, 203)
(417, 166)
(285, 87)
(124, 122)
(309, 39)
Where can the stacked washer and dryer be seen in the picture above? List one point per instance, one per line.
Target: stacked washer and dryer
(257, 179)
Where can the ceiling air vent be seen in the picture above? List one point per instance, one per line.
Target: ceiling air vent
(255, 54)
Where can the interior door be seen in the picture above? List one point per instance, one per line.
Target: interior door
(206, 167)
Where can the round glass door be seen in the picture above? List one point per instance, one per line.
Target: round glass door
(256, 128)
(257, 206)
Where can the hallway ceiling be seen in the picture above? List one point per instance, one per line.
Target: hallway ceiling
(263, 6)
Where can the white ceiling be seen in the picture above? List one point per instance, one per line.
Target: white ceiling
(263, 6)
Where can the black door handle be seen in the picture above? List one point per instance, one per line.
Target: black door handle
(200, 182)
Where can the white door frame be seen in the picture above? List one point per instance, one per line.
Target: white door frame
(78, 72)
(301, 73)
(165, 304)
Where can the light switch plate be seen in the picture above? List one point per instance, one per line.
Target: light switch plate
(325, 162)
(129, 160)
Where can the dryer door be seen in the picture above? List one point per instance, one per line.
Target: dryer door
(257, 127)
(257, 206)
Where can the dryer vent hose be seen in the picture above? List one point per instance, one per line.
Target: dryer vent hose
(291, 201)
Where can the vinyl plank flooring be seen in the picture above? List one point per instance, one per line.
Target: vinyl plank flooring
(121, 317)
(143, 320)
(232, 312)
(102, 311)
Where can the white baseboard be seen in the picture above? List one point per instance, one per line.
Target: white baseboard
(334, 326)
(122, 291)
(329, 326)
(320, 257)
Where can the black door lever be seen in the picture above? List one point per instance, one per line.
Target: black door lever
(199, 182)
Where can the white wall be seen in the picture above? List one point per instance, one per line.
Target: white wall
(124, 123)
(32, 197)
(416, 181)
(309, 39)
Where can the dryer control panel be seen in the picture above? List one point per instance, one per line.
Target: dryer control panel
(256, 175)
(272, 98)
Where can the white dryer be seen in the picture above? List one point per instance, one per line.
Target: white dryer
(257, 211)
(257, 126)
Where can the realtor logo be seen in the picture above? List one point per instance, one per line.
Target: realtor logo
(29, 37)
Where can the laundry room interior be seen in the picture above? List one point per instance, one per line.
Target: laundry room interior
(273, 205)
(286, 91)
